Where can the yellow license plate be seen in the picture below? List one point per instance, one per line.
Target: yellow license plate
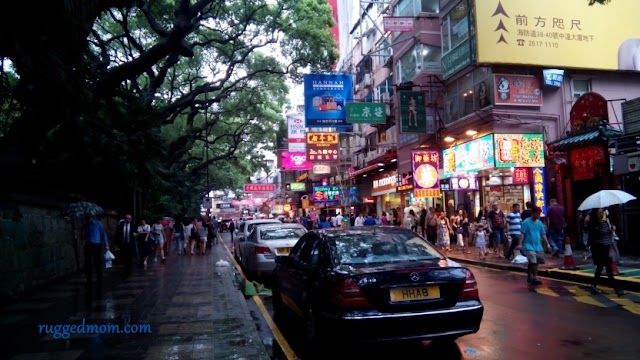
(283, 251)
(415, 293)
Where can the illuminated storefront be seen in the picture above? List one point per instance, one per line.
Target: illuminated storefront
(383, 189)
(493, 168)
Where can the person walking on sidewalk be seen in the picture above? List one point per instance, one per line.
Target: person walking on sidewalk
(600, 238)
(125, 240)
(514, 222)
(556, 223)
(96, 244)
(497, 225)
(533, 236)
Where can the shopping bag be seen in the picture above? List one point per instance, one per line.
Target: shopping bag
(108, 259)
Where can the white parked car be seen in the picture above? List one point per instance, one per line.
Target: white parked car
(244, 228)
(258, 252)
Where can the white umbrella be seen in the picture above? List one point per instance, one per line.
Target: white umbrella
(605, 198)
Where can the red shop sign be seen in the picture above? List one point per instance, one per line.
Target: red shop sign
(584, 161)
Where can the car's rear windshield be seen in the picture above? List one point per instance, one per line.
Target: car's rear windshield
(251, 226)
(370, 248)
(281, 233)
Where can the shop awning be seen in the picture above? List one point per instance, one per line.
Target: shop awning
(365, 170)
(603, 133)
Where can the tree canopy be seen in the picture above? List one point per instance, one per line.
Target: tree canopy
(99, 97)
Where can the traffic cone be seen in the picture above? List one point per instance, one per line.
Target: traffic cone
(569, 263)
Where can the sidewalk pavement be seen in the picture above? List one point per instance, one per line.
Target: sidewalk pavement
(195, 311)
(628, 278)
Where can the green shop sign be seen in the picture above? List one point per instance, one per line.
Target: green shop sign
(456, 59)
(366, 113)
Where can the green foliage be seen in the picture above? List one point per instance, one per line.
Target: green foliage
(163, 96)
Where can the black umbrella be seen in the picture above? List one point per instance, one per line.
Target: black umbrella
(79, 210)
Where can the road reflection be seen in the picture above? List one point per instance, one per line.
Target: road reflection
(441, 350)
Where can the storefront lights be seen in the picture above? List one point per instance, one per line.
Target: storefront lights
(449, 139)
(471, 132)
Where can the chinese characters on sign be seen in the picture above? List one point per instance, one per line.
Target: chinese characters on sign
(323, 147)
(396, 23)
(519, 150)
(539, 189)
(425, 169)
(296, 131)
(520, 90)
(426, 193)
(520, 176)
(558, 34)
(252, 188)
(366, 113)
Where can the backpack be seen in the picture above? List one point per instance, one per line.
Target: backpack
(194, 232)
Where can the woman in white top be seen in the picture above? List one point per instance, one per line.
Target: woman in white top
(157, 231)
(203, 233)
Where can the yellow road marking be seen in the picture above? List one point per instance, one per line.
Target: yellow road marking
(546, 291)
(578, 291)
(589, 300)
(277, 334)
(628, 305)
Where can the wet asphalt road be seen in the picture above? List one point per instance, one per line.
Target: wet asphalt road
(520, 322)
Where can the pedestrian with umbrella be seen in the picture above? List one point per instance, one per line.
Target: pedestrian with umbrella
(600, 232)
(600, 239)
(79, 210)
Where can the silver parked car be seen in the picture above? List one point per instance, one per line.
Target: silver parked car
(258, 251)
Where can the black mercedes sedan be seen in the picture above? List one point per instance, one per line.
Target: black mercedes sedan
(374, 284)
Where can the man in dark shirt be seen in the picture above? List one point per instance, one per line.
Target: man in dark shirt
(555, 222)
(497, 226)
(527, 212)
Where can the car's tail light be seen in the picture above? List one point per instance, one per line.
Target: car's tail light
(470, 289)
(260, 249)
(349, 295)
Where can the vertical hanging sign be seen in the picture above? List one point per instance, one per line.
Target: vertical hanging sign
(413, 117)
(425, 173)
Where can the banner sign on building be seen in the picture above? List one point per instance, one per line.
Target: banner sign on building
(539, 189)
(520, 176)
(325, 99)
(472, 156)
(326, 193)
(425, 169)
(563, 34)
(296, 131)
(413, 118)
(519, 150)
(297, 186)
(366, 113)
(224, 205)
(456, 59)
(295, 161)
(519, 90)
(398, 23)
(323, 147)
(253, 188)
(384, 183)
(553, 77)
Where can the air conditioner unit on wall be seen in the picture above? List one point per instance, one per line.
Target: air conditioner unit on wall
(367, 80)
